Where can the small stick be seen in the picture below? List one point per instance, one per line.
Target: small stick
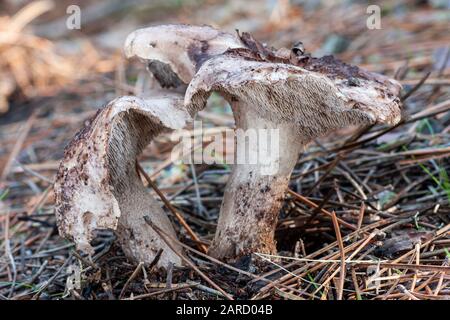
(406, 292)
(85, 261)
(186, 260)
(205, 288)
(18, 145)
(76, 295)
(416, 87)
(155, 260)
(9, 253)
(414, 281)
(355, 284)
(439, 285)
(420, 267)
(180, 218)
(169, 275)
(29, 13)
(315, 206)
(155, 293)
(107, 285)
(197, 190)
(361, 216)
(50, 281)
(342, 254)
(38, 273)
(131, 278)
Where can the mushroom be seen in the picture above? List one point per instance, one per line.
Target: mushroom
(297, 96)
(300, 99)
(98, 186)
(174, 52)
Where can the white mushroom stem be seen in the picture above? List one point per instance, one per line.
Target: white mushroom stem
(253, 197)
(300, 103)
(98, 186)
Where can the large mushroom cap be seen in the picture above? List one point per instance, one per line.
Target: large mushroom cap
(97, 186)
(177, 49)
(299, 96)
(321, 96)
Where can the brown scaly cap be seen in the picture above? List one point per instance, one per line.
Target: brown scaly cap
(323, 95)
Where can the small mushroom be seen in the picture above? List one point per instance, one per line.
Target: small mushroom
(174, 52)
(98, 186)
(302, 103)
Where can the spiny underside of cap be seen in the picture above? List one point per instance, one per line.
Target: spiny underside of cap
(319, 94)
(98, 169)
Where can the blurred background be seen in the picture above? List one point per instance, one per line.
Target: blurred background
(54, 78)
(41, 56)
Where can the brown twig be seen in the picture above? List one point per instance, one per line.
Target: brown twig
(24, 131)
(131, 278)
(315, 206)
(342, 255)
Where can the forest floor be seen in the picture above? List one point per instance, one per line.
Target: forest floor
(390, 185)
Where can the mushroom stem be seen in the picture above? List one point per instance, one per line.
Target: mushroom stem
(139, 242)
(254, 193)
(131, 132)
